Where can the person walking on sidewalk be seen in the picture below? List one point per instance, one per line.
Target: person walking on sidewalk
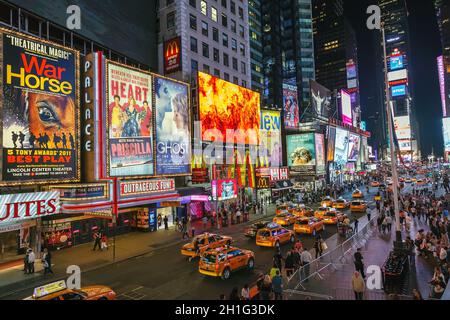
(318, 246)
(359, 263)
(25, 261)
(47, 261)
(356, 222)
(104, 242)
(166, 223)
(31, 260)
(389, 223)
(306, 259)
(277, 286)
(358, 285)
(97, 240)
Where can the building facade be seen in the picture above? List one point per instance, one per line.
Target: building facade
(256, 50)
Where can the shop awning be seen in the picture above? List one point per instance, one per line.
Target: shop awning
(283, 185)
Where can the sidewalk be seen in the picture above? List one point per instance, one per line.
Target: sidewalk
(127, 246)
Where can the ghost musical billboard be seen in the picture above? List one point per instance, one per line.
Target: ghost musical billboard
(40, 105)
(320, 99)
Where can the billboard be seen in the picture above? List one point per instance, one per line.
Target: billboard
(330, 143)
(270, 132)
(353, 147)
(172, 55)
(442, 85)
(397, 75)
(402, 127)
(40, 111)
(446, 131)
(351, 70)
(320, 99)
(173, 127)
(224, 105)
(224, 189)
(129, 121)
(320, 152)
(341, 146)
(346, 107)
(301, 151)
(398, 91)
(396, 62)
(290, 106)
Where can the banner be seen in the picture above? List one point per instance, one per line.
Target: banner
(331, 142)
(82, 193)
(301, 152)
(290, 106)
(320, 152)
(320, 99)
(146, 187)
(40, 111)
(270, 143)
(446, 132)
(346, 108)
(173, 127)
(130, 128)
(353, 147)
(402, 127)
(341, 146)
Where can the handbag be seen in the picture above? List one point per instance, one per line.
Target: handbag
(324, 246)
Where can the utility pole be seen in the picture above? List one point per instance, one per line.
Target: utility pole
(392, 145)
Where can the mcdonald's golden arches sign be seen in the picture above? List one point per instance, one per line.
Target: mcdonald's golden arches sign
(262, 182)
(172, 55)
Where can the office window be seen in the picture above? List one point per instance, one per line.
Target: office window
(216, 55)
(241, 31)
(235, 64)
(243, 68)
(236, 80)
(193, 3)
(233, 44)
(215, 34)
(224, 20)
(170, 20)
(241, 13)
(206, 68)
(224, 3)
(194, 44)
(205, 50)
(233, 7)
(225, 40)
(226, 61)
(203, 7)
(217, 73)
(193, 22)
(226, 76)
(233, 25)
(214, 14)
(242, 49)
(194, 65)
(204, 28)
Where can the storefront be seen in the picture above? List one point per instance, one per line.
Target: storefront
(282, 190)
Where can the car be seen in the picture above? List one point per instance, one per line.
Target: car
(358, 206)
(205, 241)
(284, 219)
(58, 291)
(327, 202)
(341, 204)
(421, 182)
(357, 194)
(331, 217)
(320, 212)
(309, 225)
(251, 231)
(303, 211)
(375, 184)
(274, 235)
(222, 261)
(284, 207)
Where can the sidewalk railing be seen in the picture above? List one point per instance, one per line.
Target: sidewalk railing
(331, 260)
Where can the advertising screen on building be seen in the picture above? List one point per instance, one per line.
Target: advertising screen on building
(396, 62)
(442, 86)
(172, 55)
(354, 147)
(446, 131)
(290, 106)
(341, 146)
(320, 152)
(330, 143)
(224, 105)
(224, 189)
(129, 116)
(352, 83)
(397, 75)
(351, 70)
(398, 91)
(346, 107)
(402, 127)
(320, 99)
(405, 145)
(173, 127)
(301, 151)
(270, 143)
(40, 111)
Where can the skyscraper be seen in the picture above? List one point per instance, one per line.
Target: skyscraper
(256, 51)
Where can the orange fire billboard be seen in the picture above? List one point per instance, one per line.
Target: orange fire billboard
(227, 106)
(172, 55)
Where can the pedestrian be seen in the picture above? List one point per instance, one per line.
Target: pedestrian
(25, 262)
(356, 222)
(47, 262)
(369, 215)
(384, 225)
(245, 292)
(266, 288)
(238, 216)
(97, 240)
(31, 260)
(359, 263)
(318, 246)
(389, 223)
(234, 294)
(277, 286)
(104, 242)
(166, 223)
(306, 259)
(358, 285)
(289, 263)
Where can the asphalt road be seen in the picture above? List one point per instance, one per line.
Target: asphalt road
(166, 274)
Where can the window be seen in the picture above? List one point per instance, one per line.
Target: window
(206, 68)
(233, 25)
(243, 67)
(215, 34)
(224, 3)
(225, 40)
(241, 13)
(216, 55)
(170, 20)
(235, 64)
(193, 3)
(203, 7)
(226, 61)
(233, 44)
(241, 31)
(194, 44)
(194, 65)
(233, 7)
(242, 49)
(205, 50)
(244, 83)
(224, 20)
(226, 76)
(217, 73)
(193, 22)
(214, 14)
(236, 80)
(204, 28)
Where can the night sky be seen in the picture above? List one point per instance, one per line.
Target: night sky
(425, 48)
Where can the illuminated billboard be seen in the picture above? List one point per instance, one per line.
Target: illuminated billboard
(320, 152)
(290, 106)
(397, 75)
(330, 143)
(446, 131)
(396, 62)
(270, 133)
(172, 55)
(442, 86)
(398, 91)
(341, 146)
(130, 121)
(353, 147)
(39, 110)
(402, 127)
(346, 107)
(224, 105)
(320, 99)
(301, 152)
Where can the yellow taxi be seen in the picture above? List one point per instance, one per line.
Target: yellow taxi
(358, 206)
(421, 182)
(331, 217)
(204, 241)
(357, 194)
(222, 261)
(327, 202)
(320, 212)
(284, 219)
(309, 225)
(303, 211)
(274, 234)
(59, 291)
(375, 184)
(285, 207)
(341, 204)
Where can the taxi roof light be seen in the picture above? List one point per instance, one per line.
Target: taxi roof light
(50, 288)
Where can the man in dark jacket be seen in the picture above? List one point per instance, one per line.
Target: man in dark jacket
(359, 264)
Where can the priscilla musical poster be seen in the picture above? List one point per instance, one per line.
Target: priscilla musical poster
(39, 111)
(130, 121)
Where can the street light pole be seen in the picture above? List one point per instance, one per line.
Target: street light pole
(392, 145)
